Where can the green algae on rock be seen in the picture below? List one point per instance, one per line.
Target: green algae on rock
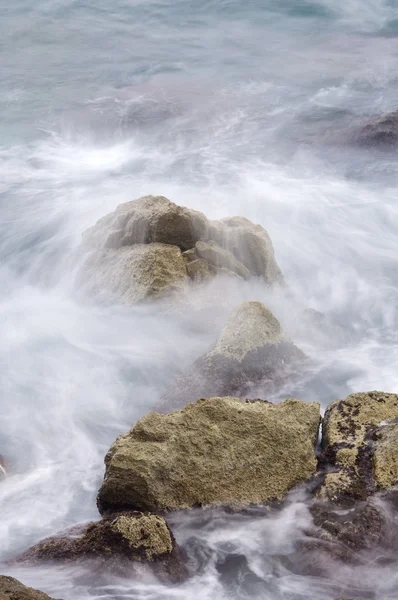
(251, 352)
(359, 445)
(216, 451)
(12, 589)
(117, 541)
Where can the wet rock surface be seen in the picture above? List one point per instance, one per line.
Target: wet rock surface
(216, 451)
(381, 132)
(359, 447)
(12, 589)
(251, 352)
(117, 542)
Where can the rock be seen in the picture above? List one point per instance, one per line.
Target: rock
(359, 447)
(380, 131)
(218, 257)
(250, 244)
(116, 542)
(145, 221)
(12, 589)
(3, 472)
(135, 273)
(199, 270)
(251, 352)
(216, 451)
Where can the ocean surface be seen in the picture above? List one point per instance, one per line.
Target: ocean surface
(231, 108)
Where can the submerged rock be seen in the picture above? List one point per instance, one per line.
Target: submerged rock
(136, 273)
(145, 221)
(251, 351)
(12, 589)
(360, 445)
(116, 542)
(216, 451)
(380, 131)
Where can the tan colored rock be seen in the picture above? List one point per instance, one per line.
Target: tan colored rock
(135, 273)
(216, 451)
(252, 353)
(199, 270)
(249, 243)
(216, 256)
(359, 465)
(145, 221)
(118, 541)
(12, 589)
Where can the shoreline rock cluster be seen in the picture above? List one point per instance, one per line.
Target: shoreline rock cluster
(214, 446)
(151, 248)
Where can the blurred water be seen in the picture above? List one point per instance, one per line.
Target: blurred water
(229, 108)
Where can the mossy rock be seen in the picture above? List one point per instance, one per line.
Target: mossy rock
(117, 542)
(12, 589)
(252, 354)
(360, 444)
(216, 451)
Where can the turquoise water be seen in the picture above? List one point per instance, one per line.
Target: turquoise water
(229, 108)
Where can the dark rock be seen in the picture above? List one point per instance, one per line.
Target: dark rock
(117, 542)
(251, 351)
(381, 131)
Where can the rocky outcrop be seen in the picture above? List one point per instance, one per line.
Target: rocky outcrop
(360, 443)
(216, 451)
(136, 251)
(136, 273)
(117, 542)
(251, 353)
(12, 589)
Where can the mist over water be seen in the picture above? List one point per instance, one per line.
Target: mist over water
(230, 108)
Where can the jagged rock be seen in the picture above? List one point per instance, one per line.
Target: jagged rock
(145, 221)
(216, 256)
(116, 542)
(216, 451)
(199, 270)
(249, 243)
(360, 441)
(12, 589)
(251, 352)
(135, 273)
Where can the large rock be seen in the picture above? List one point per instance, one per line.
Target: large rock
(12, 589)
(251, 353)
(120, 542)
(216, 451)
(250, 244)
(145, 221)
(126, 252)
(360, 444)
(135, 273)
